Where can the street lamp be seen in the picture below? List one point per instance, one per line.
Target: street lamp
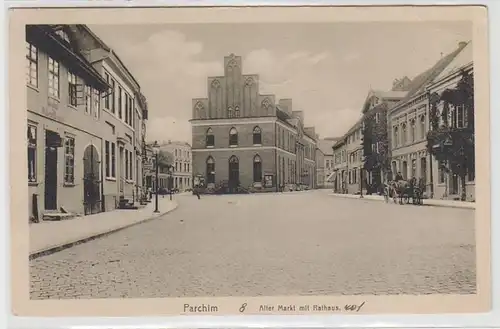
(156, 151)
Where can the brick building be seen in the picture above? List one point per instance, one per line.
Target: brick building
(243, 140)
(71, 163)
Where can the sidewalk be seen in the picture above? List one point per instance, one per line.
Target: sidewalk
(427, 202)
(51, 236)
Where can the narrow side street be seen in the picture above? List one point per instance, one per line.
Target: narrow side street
(304, 243)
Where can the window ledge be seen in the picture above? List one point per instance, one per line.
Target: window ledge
(54, 98)
(32, 183)
(71, 106)
(257, 144)
(210, 146)
(32, 87)
(69, 184)
(129, 181)
(233, 145)
(113, 179)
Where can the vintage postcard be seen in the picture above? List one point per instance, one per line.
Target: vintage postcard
(258, 160)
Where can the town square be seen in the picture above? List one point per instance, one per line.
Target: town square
(166, 161)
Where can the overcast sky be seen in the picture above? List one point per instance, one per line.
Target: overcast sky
(326, 68)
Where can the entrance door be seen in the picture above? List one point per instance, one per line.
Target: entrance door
(234, 174)
(50, 171)
(91, 192)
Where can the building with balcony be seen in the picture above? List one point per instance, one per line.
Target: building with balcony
(243, 140)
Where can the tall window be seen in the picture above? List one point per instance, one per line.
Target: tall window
(112, 96)
(471, 169)
(237, 111)
(108, 157)
(88, 99)
(113, 160)
(282, 138)
(423, 169)
(130, 166)
(394, 169)
(377, 117)
(106, 99)
(210, 170)
(126, 108)
(257, 169)
(31, 64)
(403, 134)
(97, 103)
(230, 112)
(257, 136)
(32, 154)
(130, 111)
(414, 168)
(412, 130)
(422, 127)
(120, 102)
(404, 172)
(396, 136)
(233, 137)
(459, 119)
(126, 164)
(69, 157)
(53, 78)
(72, 95)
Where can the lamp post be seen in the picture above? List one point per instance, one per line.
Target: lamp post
(156, 150)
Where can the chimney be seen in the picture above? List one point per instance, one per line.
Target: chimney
(462, 44)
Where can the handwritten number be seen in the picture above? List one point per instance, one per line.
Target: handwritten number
(243, 307)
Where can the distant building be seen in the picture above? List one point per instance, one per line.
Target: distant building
(325, 162)
(243, 140)
(182, 163)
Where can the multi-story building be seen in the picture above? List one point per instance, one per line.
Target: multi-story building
(244, 140)
(409, 124)
(84, 146)
(325, 163)
(340, 168)
(64, 123)
(122, 113)
(150, 169)
(182, 163)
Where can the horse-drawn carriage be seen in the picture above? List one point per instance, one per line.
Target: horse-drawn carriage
(405, 190)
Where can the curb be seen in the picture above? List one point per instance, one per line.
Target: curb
(424, 204)
(66, 245)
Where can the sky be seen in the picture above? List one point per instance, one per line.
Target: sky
(327, 69)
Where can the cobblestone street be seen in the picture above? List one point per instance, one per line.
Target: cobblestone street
(305, 243)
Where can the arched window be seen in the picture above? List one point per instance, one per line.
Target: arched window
(237, 112)
(404, 171)
(422, 127)
(210, 170)
(233, 137)
(396, 136)
(257, 169)
(412, 130)
(403, 134)
(257, 136)
(230, 112)
(210, 138)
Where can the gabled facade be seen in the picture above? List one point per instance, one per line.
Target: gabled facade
(243, 140)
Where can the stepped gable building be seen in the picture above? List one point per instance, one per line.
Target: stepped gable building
(243, 140)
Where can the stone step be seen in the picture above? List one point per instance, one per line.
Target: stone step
(54, 216)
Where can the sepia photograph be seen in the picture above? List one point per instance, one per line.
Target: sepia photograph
(294, 166)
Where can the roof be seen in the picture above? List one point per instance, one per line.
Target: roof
(463, 58)
(423, 79)
(325, 146)
(389, 94)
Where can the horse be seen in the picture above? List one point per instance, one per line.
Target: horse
(400, 189)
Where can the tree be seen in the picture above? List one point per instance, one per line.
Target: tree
(165, 160)
(449, 141)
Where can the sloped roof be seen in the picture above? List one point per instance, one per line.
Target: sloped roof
(422, 80)
(389, 94)
(326, 146)
(463, 58)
